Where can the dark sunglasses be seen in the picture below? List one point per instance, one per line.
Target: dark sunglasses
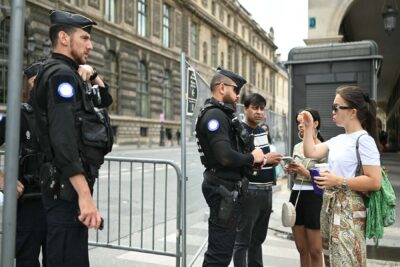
(335, 108)
(235, 88)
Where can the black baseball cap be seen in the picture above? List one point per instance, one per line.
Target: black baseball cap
(239, 80)
(61, 17)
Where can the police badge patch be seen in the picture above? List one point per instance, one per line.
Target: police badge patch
(213, 125)
(65, 90)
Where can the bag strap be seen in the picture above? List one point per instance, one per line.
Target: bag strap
(298, 195)
(359, 170)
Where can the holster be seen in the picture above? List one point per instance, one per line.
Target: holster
(227, 205)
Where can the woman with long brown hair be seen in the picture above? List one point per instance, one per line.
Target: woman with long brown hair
(343, 213)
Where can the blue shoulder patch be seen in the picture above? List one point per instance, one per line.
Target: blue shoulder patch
(65, 90)
(213, 125)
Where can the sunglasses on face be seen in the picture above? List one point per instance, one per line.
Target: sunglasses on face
(335, 108)
(235, 88)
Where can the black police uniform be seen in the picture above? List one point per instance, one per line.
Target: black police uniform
(59, 102)
(31, 219)
(255, 210)
(221, 153)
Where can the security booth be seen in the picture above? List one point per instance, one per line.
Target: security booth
(316, 71)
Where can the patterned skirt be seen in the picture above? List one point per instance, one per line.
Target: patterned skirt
(343, 217)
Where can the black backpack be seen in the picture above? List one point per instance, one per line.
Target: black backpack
(30, 156)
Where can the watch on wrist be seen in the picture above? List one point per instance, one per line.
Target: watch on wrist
(94, 75)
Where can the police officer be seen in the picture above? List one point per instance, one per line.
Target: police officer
(63, 103)
(31, 220)
(221, 148)
(257, 205)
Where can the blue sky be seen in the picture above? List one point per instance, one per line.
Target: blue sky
(289, 18)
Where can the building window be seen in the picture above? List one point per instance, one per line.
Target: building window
(111, 74)
(213, 8)
(230, 56)
(252, 70)
(194, 41)
(74, 2)
(110, 10)
(143, 131)
(221, 13)
(244, 65)
(167, 105)
(205, 3)
(4, 37)
(243, 32)
(214, 51)
(229, 20)
(235, 26)
(166, 25)
(142, 17)
(222, 59)
(142, 98)
(205, 52)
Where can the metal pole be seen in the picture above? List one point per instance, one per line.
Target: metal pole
(15, 45)
(290, 119)
(183, 154)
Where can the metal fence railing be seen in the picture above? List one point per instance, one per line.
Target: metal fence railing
(135, 197)
(140, 202)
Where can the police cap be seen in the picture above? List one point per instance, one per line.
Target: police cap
(239, 80)
(61, 17)
(32, 70)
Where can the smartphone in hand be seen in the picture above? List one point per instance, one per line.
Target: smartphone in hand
(287, 160)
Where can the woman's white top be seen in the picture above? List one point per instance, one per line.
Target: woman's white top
(342, 156)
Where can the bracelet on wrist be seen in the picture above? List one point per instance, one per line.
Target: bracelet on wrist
(344, 181)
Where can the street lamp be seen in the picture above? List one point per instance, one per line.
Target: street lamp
(162, 118)
(162, 114)
(389, 15)
(46, 47)
(31, 44)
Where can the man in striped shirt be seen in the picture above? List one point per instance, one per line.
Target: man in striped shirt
(257, 205)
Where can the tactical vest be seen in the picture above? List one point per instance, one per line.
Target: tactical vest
(92, 124)
(30, 156)
(244, 142)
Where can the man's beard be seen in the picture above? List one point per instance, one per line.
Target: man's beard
(78, 59)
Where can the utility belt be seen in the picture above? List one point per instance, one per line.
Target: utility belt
(211, 177)
(260, 186)
(30, 196)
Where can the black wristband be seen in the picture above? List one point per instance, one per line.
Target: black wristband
(94, 75)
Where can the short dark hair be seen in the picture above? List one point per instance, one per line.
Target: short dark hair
(256, 100)
(55, 29)
(217, 79)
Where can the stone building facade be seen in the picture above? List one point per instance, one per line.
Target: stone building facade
(137, 46)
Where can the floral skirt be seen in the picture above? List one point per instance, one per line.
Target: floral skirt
(343, 217)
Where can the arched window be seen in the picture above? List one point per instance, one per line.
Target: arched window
(142, 98)
(111, 75)
(167, 103)
(214, 51)
(205, 52)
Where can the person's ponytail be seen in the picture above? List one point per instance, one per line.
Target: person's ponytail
(371, 123)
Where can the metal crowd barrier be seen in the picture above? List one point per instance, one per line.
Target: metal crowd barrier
(136, 199)
(140, 202)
